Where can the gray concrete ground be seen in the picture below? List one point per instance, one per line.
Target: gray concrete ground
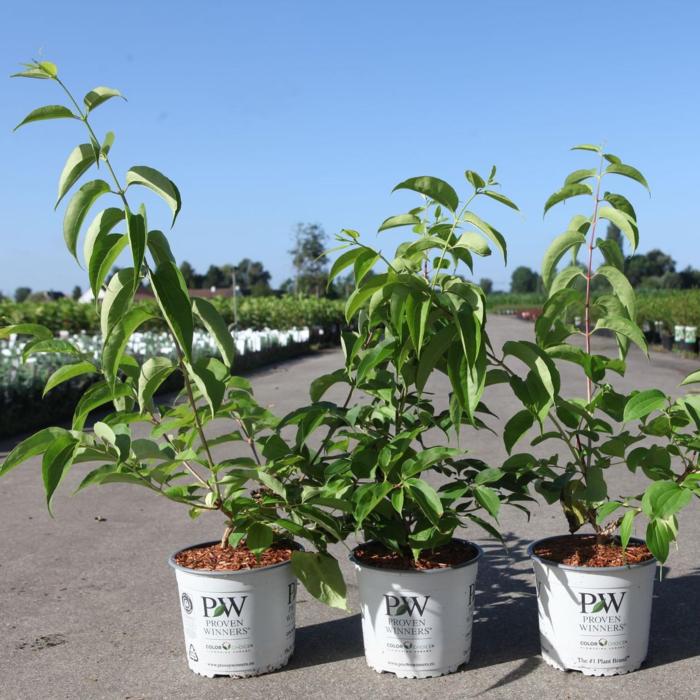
(89, 607)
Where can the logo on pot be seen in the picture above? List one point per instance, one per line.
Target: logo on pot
(193, 653)
(225, 605)
(226, 645)
(402, 605)
(598, 602)
(603, 642)
(187, 605)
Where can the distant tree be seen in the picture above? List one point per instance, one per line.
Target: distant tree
(689, 278)
(252, 278)
(524, 280)
(310, 265)
(189, 274)
(22, 293)
(215, 277)
(642, 266)
(614, 234)
(287, 287)
(76, 293)
(486, 284)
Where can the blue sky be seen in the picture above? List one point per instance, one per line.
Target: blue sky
(270, 113)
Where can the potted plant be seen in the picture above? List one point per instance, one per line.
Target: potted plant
(409, 493)
(595, 590)
(237, 594)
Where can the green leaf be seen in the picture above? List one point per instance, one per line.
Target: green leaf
(209, 382)
(107, 144)
(68, 372)
(663, 499)
(174, 301)
(476, 181)
(97, 395)
(556, 251)
(567, 192)
(156, 181)
(364, 263)
(516, 427)
(343, 261)
(100, 250)
(628, 171)
(258, 538)
(115, 343)
(215, 324)
(320, 574)
(621, 203)
(623, 222)
(606, 510)
(321, 384)
(154, 372)
(579, 175)
(435, 349)
(31, 447)
(427, 499)
(98, 95)
(587, 147)
(626, 527)
(641, 404)
(621, 286)
(624, 327)
(52, 345)
(117, 299)
(488, 230)
(369, 498)
(78, 163)
(488, 499)
(501, 198)
(564, 278)
(358, 298)
(136, 231)
(692, 378)
(474, 242)
(399, 220)
(35, 329)
(611, 252)
(658, 538)
(77, 210)
(159, 247)
(48, 112)
(57, 460)
(432, 187)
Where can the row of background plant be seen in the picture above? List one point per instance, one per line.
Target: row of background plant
(256, 313)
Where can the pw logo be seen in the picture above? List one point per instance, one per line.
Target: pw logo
(402, 605)
(593, 603)
(215, 607)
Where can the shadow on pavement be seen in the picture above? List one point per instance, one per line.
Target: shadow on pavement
(327, 642)
(675, 634)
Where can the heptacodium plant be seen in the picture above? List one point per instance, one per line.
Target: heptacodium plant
(604, 430)
(415, 317)
(180, 458)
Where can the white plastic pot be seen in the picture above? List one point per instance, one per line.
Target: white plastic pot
(593, 619)
(237, 623)
(679, 334)
(417, 624)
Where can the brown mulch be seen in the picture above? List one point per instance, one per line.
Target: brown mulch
(582, 550)
(451, 554)
(214, 557)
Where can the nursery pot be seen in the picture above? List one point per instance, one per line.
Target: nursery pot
(691, 339)
(593, 619)
(679, 335)
(667, 341)
(417, 624)
(237, 623)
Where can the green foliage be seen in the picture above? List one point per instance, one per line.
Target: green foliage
(176, 460)
(656, 427)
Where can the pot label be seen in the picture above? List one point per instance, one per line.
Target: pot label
(239, 632)
(592, 626)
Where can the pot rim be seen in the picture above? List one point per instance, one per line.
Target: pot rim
(220, 574)
(404, 572)
(592, 569)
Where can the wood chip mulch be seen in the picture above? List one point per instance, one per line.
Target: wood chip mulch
(451, 554)
(217, 558)
(582, 550)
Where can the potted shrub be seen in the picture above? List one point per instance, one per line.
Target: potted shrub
(409, 493)
(237, 594)
(595, 590)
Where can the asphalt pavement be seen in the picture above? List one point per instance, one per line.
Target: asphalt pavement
(89, 607)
